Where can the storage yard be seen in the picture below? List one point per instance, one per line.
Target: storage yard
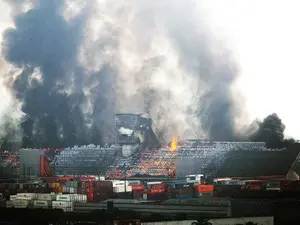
(191, 179)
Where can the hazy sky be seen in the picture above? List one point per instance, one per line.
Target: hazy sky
(264, 37)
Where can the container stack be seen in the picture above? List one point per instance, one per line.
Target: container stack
(70, 187)
(102, 190)
(156, 192)
(203, 190)
(137, 191)
(22, 200)
(181, 190)
(120, 186)
(52, 200)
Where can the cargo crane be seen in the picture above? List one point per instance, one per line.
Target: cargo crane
(44, 167)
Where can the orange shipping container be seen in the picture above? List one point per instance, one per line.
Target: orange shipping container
(204, 188)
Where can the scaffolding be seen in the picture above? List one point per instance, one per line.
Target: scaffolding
(85, 160)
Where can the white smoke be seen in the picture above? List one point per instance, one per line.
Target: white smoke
(125, 131)
(139, 39)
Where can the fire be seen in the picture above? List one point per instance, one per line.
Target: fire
(173, 144)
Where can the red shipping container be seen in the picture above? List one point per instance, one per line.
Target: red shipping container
(87, 184)
(157, 188)
(204, 188)
(89, 190)
(90, 197)
(138, 187)
(137, 194)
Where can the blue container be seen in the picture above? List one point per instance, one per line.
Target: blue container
(180, 185)
(184, 196)
(157, 197)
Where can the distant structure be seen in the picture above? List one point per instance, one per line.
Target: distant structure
(236, 159)
(29, 162)
(135, 130)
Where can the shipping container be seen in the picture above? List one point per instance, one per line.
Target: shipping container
(54, 185)
(81, 190)
(184, 196)
(9, 204)
(254, 185)
(221, 190)
(21, 203)
(73, 184)
(180, 185)
(151, 184)
(66, 198)
(46, 197)
(65, 189)
(204, 188)
(184, 191)
(102, 183)
(157, 188)
(65, 206)
(26, 196)
(103, 191)
(137, 187)
(13, 197)
(137, 194)
(41, 204)
(119, 189)
(203, 194)
(157, 197)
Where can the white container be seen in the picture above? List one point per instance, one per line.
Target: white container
(9, 204)
(21, 203)
(26, 196)
(13, 197)
(145, 196)
(120, 189)
(72, 190)
(65, 198)
(41, 204)
(65, 189)
(46, 197)
(65, 206)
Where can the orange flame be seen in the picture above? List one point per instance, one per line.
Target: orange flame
(173, 144)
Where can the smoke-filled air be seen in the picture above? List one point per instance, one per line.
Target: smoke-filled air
(68, 66)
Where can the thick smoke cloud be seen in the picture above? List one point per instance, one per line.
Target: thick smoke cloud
(82, 62)
(271, 131)
(51, 84)
(170, 64)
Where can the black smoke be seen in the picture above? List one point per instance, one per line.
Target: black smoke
(43, 41)
(271, 130)
(216, 73)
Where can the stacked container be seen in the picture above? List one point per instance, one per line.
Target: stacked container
(66, 202)
(181, 190)
(23, 200)
(89, 191)
(157, 192)
(137, 191)
(202, 190)
(66, 206)
(44, 200)
(57, 188)
(70, 187)
(102, 190)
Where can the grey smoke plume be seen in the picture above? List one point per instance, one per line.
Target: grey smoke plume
(51, 85)
(169, 63)
(80, 59)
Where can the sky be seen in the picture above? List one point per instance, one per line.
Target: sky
(264, 36)
(264, 39)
